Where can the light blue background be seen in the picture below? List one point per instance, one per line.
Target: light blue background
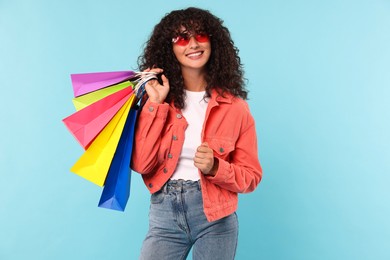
(319, 80)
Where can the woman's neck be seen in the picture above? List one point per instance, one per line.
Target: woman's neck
(194, 80)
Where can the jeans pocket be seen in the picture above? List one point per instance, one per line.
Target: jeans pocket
(157, 197)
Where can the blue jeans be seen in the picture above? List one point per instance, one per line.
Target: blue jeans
(177, 223)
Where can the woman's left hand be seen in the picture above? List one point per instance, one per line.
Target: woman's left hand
(204, 160)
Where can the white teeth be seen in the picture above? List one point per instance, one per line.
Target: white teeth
(194, 54)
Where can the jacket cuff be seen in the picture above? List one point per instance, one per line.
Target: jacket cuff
(221, 174)
(156, 110)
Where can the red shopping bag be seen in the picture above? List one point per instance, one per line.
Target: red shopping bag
(88, 122)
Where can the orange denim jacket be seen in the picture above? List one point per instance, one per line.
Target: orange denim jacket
(229, 129)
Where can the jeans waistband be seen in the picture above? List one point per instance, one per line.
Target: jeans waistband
(181, 185)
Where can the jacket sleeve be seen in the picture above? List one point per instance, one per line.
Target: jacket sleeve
(243, 172)
(147, 138)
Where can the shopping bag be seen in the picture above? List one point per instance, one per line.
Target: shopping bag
(88, 82)
(116, 189)
(93, 165)
(87, 123)
(106, 160)
(92, 97)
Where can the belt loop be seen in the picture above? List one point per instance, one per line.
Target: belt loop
(199, 186)
(180, 185)
(165, 188)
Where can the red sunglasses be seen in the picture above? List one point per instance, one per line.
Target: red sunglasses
(183, 40)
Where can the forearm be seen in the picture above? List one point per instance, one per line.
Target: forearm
(236, 178)
(240, 172)
(147, 138)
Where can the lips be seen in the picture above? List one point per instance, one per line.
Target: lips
(195, 54)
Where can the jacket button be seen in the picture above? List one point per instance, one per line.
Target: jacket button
(174, 138)
(221, 150)
(179, 116)
(165, 170)
(170, 156)
(150, 185)
(151, 109)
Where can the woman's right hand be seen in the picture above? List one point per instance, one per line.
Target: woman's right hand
(157, 92)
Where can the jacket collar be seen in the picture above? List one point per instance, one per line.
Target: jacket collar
(218, 98)
(215, 98)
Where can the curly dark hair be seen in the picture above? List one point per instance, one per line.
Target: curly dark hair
(224, 70)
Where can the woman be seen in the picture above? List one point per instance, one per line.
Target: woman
(195, 142)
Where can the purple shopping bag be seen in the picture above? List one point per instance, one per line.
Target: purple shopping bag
(87, 82)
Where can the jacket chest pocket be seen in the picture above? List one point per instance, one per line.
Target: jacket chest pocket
(222, 147)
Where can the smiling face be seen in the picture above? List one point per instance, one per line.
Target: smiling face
(194, 55)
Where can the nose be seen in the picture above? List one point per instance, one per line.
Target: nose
(193, 44)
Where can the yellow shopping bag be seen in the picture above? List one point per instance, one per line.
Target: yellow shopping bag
(93, 165)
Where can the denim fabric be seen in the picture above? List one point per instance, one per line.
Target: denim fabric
(177, 223)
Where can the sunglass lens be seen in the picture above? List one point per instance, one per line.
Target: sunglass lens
(202, 37)
(182, 40)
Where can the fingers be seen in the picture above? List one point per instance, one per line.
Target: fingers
(165, 81)
(155, 70)
(157, 93)
(204, 158)
(203, 154)
(204, 148)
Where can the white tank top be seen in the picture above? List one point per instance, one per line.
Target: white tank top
(194, 112)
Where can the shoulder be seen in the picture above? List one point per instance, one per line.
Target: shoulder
(231, 100)
(234, 107)
(240, 103)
